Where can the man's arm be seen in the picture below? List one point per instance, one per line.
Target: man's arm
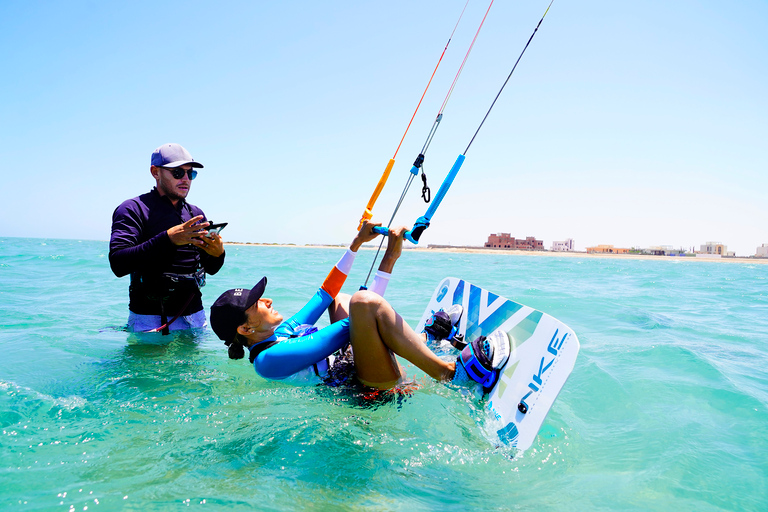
(126, 253)
(211, 245)
(213, 252)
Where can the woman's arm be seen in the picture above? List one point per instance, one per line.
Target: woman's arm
(332, 284)
(294, 354)
(393, 252)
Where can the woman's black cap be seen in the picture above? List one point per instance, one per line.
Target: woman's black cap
(228, 312)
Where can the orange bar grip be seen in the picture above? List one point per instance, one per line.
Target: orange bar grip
(368, 213)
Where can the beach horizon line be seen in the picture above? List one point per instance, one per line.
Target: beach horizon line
(516, 252)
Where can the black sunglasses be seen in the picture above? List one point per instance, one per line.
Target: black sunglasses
(178, 172)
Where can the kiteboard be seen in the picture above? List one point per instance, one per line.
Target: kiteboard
(543, 353)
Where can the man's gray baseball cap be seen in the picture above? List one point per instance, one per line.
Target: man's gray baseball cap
(173, 155)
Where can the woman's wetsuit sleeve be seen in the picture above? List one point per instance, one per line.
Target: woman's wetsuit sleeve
(380, 281)
(292, 355)
(338, 274)
(295, 354)
(309, 314)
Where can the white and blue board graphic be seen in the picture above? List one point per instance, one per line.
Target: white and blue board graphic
(543, 353)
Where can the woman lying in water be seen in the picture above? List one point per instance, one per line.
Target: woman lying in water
(366, 323)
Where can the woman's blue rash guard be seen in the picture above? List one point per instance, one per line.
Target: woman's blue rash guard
(290, 351)
(291, 355)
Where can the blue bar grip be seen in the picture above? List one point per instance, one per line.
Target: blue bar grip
(408, 235)
(413, 234)
(447, 182)
(422, 222)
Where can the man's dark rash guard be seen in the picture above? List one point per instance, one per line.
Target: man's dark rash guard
(140, 246)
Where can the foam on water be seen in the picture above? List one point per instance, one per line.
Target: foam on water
(667, 408)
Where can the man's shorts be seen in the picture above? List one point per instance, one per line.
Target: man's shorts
(144, 323)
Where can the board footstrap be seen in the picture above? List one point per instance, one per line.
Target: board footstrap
(476, 363)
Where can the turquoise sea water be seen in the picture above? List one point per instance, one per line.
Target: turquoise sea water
(666, 409)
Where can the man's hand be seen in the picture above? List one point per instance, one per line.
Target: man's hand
(184, 234)
(394, 249)
(212, 244)
(365, 234)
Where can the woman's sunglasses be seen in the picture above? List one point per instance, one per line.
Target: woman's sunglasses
(179, 173)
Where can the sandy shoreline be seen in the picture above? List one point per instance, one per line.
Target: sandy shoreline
(509, 252)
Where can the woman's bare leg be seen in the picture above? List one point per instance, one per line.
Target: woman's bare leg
(376, 331)
(339, 308)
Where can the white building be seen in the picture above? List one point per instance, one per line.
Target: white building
(660, 250)
(568, 245)
(714, 248)
(762, 251)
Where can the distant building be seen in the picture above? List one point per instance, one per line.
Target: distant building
(568, 245)
(715, 248)
(607, 249)
(762, 251)
(507, 241)
(664, 250)
(658, 250)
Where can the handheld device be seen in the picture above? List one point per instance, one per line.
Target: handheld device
(215, 228)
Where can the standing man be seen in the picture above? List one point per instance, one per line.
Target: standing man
(160, 240)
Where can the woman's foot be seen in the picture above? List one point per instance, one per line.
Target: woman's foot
(482, 360)
(444, 325)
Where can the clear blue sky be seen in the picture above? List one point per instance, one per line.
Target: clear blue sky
(629, 123)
